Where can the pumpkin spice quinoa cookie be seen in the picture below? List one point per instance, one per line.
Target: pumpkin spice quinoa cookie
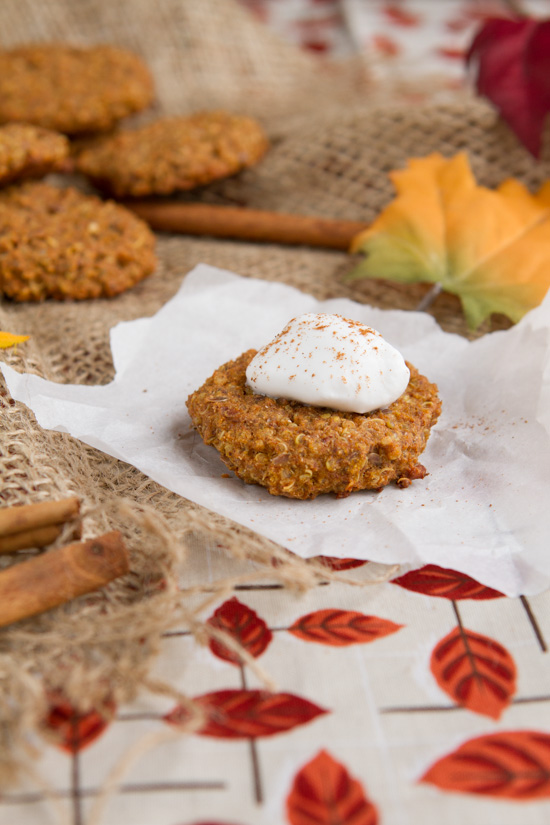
(72, 89)
(301, 451)
(60, 243)
(30, 152)
(173, 153)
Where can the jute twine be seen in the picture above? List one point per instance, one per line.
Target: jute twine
(334, 141)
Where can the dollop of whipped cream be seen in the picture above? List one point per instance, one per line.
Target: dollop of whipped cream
(329, 361)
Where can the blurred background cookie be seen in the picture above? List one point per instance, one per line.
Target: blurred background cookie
(60, 243)
(173, 153)
(30, 152)
(72, 89)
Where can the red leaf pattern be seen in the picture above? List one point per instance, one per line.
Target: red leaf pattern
(400, 16)
(475, 671)
(452, 53)
(457, 24)
(341, 627)
(75, 731)
(512, 765)
(242, 714)
(445, 583)
(385, 45)
(334, 563)
(323, 793)
(242, 624)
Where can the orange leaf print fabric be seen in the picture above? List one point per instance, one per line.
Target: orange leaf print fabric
(73, 730)
(334, 563)
(433, 580)
(512, 765)
(475, 671)
(244, 626)
(242, 714)
(324, 793)
(400, 16)
(341, 627)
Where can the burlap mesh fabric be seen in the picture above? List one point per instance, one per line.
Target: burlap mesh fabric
(334, 139)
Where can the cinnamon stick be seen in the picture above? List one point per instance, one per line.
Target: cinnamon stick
(38, 537)
(246, 224)
(60, 575)
(34, 525)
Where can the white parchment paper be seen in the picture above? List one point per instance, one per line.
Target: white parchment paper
(484, 507)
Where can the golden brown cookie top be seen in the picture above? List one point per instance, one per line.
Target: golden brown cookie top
(60, 243)
(301, 451)
(72, 89)
(30, 152)
(173, 153)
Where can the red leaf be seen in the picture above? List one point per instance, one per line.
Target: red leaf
(341, 627)
(332, 562)
(238, 714)
(385, 45)
(457, 24)
(400, 16)
(319, 46)
(75, 731)
(448, 584)
(513, 764)
(243, 625)
(335, 563)
(475, 671)
(513, 72)
(451, 52)
(323, 793)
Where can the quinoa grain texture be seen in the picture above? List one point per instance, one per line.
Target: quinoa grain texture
(301, 451)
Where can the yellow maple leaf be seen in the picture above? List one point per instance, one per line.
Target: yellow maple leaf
(491, 247)
(7, 339)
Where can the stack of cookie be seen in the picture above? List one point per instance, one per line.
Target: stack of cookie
(58, 242)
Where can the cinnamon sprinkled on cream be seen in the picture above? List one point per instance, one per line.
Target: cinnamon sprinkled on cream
(350, 367)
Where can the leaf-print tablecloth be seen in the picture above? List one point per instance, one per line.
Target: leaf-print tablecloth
(398, 37)
(422, 699)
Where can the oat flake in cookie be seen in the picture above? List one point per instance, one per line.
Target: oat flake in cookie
(302, 450)
(72, 89)
(173, 153)
(60, 243)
